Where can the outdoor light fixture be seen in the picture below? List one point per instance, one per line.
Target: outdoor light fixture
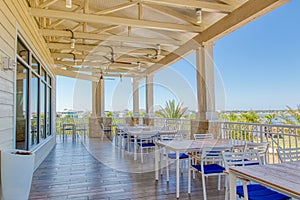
(139, 65)
(199, 15)
(68, 3)
(158, 49)
(72, 39)
(74, 59)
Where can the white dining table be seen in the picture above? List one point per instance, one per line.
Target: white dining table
(184, 146)
(283, 177)
(136, 134)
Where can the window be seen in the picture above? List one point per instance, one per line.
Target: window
(22, 108)
(33, 120)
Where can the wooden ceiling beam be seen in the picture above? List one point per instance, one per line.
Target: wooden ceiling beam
(173, 13)
(116, 8)
(93, 64)
(206, 6)
(90, 18)
(105, 37)
(244, 14)
(59, 21)
(47, 3)
(76, 75)
(92, 57)
(105, 49)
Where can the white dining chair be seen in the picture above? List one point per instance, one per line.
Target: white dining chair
(210, 164)
(262, 149)
(288, 154)
(248, 190)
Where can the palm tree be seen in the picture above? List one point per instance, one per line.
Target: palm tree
(292, 116)
(171, 110)
(250, 117)
(270, 117)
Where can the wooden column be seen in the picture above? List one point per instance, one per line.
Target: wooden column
(201, 88)
(149, 96)
(211, 113)
(136, 102)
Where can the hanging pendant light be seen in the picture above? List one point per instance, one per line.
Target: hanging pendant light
(68, 3)
(198, 15)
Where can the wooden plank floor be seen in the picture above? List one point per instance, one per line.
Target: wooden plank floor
(94, 169)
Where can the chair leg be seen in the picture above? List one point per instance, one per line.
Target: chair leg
(189, 176)
(142, 157)
(203, 186)
(219, 182)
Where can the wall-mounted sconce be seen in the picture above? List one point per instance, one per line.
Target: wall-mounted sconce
(7, 63)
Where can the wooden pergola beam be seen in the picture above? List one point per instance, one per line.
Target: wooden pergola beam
(105, 49)
(116, 8)
(93, 57)
(207, 6)
(105, 37)
(90, 18)
(244, 14)
(47, 3)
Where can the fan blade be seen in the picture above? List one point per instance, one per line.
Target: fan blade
(126, 63)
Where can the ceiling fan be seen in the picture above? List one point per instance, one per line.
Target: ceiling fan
(102, 77)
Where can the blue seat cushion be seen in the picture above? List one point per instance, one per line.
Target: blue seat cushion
(210, 169)
(106, 130)
(181, 156)
(247, 164)
(259, 192)
(147, 144)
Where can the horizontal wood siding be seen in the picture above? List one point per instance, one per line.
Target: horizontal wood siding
(15, 19)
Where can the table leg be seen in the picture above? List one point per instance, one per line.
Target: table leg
(177, 174)
(232, 184)
(167, 164)
(156, 161)
(135, 147)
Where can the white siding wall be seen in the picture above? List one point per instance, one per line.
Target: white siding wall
(15, 18)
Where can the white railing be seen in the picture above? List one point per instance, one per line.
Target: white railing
(278, 136)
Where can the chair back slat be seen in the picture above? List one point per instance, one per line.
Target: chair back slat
(261, 148)
(203, 136)
(241, 158)
(289, 155)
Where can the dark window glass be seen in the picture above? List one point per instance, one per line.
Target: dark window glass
(43, 74)
(35, 65)
(34, 96)
(48, 111)
(21, 107)
(23, 51)
(42, 111)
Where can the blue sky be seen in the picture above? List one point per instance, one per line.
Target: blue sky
(257, 67)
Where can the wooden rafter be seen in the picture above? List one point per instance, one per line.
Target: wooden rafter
(173, 13)
(104, 49)
(91, 57)
(92, 36)
(115, 8)
(59, 21)
(207, 6)
(89, 18)
(47, 3)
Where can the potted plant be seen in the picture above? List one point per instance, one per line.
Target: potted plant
(17, 168)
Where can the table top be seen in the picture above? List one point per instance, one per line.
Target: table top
(284, 177)
(193, 145)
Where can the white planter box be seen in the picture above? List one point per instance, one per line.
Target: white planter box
(16, 174)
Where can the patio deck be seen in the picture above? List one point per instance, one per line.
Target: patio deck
(94, 169)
